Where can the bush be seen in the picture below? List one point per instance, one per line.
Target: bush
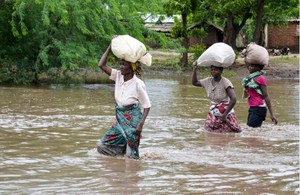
(197, 50)
(19, 73)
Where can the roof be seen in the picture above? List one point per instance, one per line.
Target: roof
(166, 27)
(160, 23)
(157, 18)
(288, 20)
(163, 23)
(210, 23)
(294, 20)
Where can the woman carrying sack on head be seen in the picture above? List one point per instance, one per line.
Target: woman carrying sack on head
(255, 85)
(123, 138)
(221, 116)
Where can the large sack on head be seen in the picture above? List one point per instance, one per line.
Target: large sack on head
(256, 54)
(219, 54)
(130, 49)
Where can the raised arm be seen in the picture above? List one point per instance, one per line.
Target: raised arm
(102, 62)
(195, 80)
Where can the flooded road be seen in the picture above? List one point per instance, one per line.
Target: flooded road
(49, 134)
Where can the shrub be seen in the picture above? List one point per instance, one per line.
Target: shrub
(197, 50)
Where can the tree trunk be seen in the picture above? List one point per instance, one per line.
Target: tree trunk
(232, 30)
(258, 22)
(185, 42)
(229, 31)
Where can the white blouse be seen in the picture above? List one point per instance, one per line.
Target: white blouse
(129, 92)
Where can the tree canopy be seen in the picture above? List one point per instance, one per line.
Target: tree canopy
(40, 34)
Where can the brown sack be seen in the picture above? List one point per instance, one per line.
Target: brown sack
(256, 54)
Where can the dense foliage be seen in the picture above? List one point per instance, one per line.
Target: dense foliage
(40, 36)
(234, 16)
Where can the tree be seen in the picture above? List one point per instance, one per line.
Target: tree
(42, 34)
(185, 8)
(258, 21)
(232, 15)
(274, 12)
(261, 12)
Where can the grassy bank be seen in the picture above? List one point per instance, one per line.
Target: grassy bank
(168, 63)
(290, 59)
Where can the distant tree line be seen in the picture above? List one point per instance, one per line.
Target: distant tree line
(39, 35)
(249, 16)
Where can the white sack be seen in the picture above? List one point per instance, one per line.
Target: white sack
(218, 54)
(146, 59)
(256, 54)
(130, 49)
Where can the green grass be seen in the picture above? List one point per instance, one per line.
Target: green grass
(161, 61)
(294, 60)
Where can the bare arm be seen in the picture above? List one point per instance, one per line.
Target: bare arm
(268, 102)
(232, 101)
(139, 127)
(195, 80)
(102, 62)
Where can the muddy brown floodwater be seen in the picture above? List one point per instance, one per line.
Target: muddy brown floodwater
(49, 134)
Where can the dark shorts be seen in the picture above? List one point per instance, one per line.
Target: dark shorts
(256, 116)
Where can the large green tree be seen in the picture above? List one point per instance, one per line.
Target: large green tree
(40, 34)
(234, 14)
(185, 8)
(272, 12)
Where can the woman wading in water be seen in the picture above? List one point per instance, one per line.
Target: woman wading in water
(123, 138)
(255, 86)
(221, 116)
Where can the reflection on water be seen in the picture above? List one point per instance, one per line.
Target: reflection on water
(48, 138)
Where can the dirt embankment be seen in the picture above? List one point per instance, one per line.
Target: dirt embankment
(280, 67)
(275, 70)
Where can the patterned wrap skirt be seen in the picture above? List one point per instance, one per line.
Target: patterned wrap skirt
(121, 139)
(214, 124)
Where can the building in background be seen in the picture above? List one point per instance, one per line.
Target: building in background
(279, 37)
(214, 34)
(164, 24)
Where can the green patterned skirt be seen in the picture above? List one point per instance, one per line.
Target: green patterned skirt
(122, 133)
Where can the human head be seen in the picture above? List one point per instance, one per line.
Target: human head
(216, 71)
(254, 67)
(127, 67)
